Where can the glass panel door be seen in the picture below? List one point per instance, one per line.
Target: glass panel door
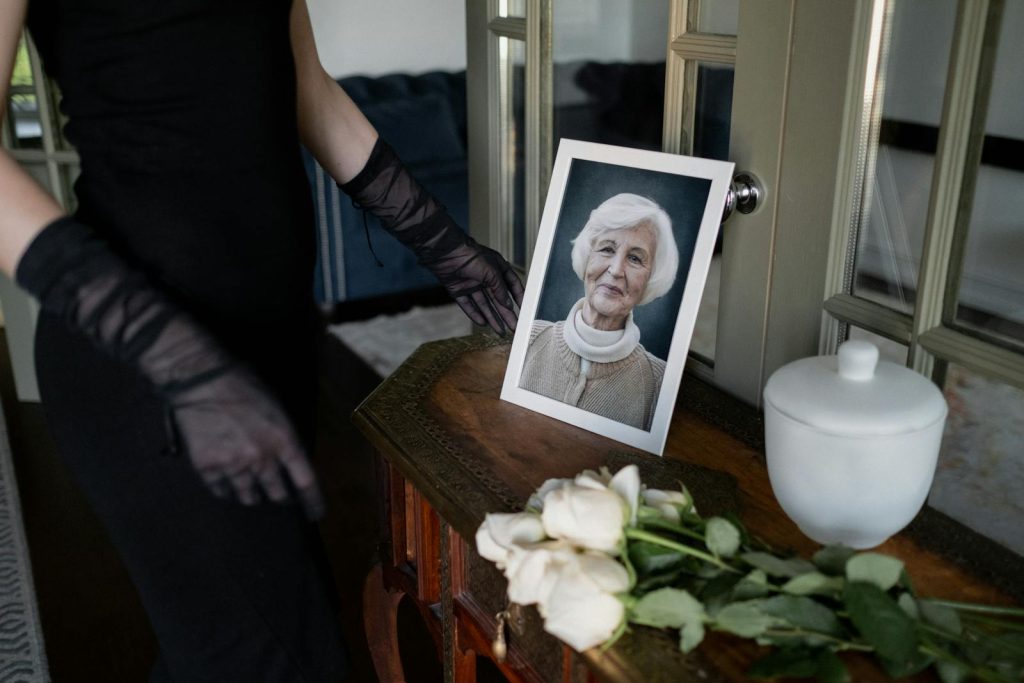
(608, 74)
(909, 93)
(989, 301)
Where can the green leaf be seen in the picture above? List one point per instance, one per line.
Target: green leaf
(744, 619)
(951, 672)
(941, 616)
(789, 662)
(881, 622)
(908, 604)
(668, 607)
(649, 558)
(880, 570)
(775, 566)
(691, 635)
(832, 559)
(831, 669)
(753, 585)
(719, 586)
(722, 537)
(898, 669)
(803, 613)
(653, 582)
(814, 583)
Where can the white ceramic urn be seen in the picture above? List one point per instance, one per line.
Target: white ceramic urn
(851, 444)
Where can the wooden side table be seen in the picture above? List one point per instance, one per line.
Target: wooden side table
(451, 451)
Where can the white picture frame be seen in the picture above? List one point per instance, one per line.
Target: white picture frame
(693, 192)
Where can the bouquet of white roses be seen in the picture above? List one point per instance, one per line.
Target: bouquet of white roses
(598, 552)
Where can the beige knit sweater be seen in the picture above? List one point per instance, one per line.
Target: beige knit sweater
(625, 391)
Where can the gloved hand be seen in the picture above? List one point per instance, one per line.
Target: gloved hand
(236, 435)
(478, 278)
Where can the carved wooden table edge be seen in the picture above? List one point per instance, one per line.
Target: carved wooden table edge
(401, 395)
(391, 419)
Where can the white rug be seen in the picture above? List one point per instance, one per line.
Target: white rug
(22, 655)
(386, 341)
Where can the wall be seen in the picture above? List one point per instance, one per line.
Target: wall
(374, 37)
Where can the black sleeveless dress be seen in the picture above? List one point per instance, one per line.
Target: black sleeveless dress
(183, 113)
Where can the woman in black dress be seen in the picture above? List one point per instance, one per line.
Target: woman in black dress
(174, 349)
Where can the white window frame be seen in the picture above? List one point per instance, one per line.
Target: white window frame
(932, 343)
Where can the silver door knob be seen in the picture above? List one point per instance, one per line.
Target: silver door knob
(745, 193)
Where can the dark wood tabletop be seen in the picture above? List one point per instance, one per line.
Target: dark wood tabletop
(440, 422)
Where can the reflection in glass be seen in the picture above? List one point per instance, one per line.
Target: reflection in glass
(980, 477)
(713, 111)
(719, 16)
(609, 72)
(22, 120)
(705, 330)
(991, 294)
(512, 117)
(511, 8)
(911, 83)
(711, 127)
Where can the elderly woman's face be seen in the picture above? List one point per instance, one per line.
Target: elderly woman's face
(617, 272)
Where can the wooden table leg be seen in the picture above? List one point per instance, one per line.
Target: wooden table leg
(380, 620)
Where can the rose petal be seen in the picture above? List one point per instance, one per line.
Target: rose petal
(626, 483)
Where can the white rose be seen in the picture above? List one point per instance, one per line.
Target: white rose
(533, 570)
(501, 532)
(536, 502)
(594, 480)
(579, 610)
(588, 517)
(626, 483)
(669, 503)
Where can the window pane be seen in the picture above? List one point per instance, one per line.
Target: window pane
(911, 85)
(980, 478)
(705, 330)
(713, 111)
(991, 295)
(719, 16)
(511, 116)
(888, 349)
(22, 118)
(511, 8)
(608, 73)
(711, 140)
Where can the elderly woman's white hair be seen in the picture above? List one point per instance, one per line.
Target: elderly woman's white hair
(625, 211)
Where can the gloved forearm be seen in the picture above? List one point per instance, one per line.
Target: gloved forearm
(478, 278)
(236, 435)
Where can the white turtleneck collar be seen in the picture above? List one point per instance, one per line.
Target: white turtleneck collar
(598, 346)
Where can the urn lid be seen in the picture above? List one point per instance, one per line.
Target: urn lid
(854, 393)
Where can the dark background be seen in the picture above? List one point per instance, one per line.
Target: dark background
(590, 183)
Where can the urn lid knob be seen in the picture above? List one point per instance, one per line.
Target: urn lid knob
(857, 360)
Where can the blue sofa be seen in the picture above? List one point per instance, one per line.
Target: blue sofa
(424, 118)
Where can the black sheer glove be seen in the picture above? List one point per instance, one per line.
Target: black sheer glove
(483, 284)
(236, 435)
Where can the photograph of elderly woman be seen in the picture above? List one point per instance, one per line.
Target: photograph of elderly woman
(622, 248)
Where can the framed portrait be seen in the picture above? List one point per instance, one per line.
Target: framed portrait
(618, 271)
